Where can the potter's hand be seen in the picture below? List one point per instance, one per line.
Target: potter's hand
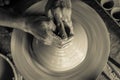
(4, 2)
(60, 11)
(43, 29)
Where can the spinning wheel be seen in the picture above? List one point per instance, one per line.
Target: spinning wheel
(82, 59)
(7, 69)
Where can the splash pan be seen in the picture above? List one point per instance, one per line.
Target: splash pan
(82, 59)
(7, 69)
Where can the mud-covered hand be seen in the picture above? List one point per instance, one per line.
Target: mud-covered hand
(60, 11)
(42, 28)
(4, 2)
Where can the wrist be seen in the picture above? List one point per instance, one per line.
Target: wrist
(20, 23)
(24, 24)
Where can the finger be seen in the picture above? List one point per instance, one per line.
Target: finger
(66, 4)
(69, 29)
(43, 40)
(49, 14)
(51, 25)
(38, 34)
(45, 36)
(56, 40)
(51, 40)
(59, 24)
(64, 34)
(48, 8)
(48, 5)
(48, 39)
(69, 3)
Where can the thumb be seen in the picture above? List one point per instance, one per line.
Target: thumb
(52, 39)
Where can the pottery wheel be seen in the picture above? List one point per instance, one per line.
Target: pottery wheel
(7, 69)
(82, 59)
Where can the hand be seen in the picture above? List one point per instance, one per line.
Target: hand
(43, 29)
(60, 11)
(4, 2)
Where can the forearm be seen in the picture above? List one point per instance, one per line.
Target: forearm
(7, 19)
